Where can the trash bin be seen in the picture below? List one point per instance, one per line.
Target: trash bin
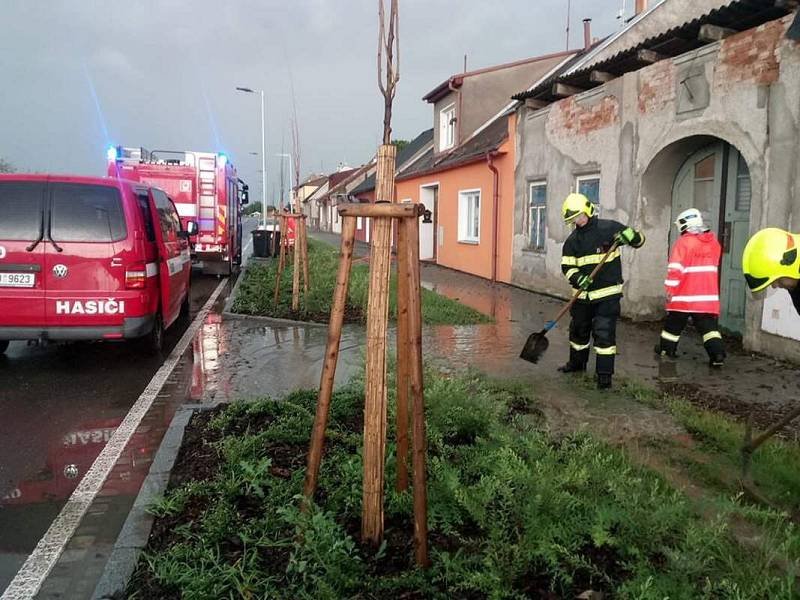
(261, 243)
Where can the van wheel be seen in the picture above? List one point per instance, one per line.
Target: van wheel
(153, 342)
(3, 346)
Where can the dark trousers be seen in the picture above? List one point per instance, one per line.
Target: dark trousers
(706, 324)
(599, 321)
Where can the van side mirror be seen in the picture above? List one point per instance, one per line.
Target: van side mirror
(245, 194)
(191, 229)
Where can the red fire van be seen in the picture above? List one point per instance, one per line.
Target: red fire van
(88, 258)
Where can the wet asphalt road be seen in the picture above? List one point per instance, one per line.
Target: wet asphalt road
(59, 404)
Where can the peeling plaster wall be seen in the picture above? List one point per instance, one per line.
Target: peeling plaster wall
(638, 129)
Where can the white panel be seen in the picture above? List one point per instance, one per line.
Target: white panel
(779, 316)
(186, 210)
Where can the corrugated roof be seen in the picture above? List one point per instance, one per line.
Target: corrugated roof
(737, 14)
(406, 154)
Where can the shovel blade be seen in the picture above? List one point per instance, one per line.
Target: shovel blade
(535, 346)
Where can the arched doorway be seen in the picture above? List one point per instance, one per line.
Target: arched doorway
(716, 180)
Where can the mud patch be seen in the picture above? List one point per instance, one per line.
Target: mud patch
(569, 407)
(761, 416)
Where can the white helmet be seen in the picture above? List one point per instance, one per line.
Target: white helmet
(689, 219)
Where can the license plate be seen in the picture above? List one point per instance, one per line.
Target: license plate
(24, 280)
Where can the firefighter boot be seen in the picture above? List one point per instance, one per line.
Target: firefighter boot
(577, 361)
(603, 381)
(717, 359)
(661, 351)
(571, 367)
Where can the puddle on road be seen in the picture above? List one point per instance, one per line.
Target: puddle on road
(38, 477)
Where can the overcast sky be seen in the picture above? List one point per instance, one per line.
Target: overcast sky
(80, 75)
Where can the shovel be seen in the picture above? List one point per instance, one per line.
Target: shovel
(537, 342)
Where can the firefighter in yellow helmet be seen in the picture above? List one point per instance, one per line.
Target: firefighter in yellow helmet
(771, 258)
(597, 309)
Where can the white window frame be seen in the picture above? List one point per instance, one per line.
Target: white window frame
(590, 177)
(465, 215)
(539, 244)
(447, 127)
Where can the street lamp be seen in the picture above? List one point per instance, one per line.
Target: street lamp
(263, 157)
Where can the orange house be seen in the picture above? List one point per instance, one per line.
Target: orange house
(470, 193)
(466, 178)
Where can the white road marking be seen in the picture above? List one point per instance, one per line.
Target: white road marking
(29, 578)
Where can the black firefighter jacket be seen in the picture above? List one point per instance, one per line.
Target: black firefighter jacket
(583, 251)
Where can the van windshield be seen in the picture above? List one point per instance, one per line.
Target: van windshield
(86, 213)
(20, 210)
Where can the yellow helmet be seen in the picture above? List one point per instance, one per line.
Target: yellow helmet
(769, 255)
(574, 205)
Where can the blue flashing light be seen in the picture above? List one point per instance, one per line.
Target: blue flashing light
(111, 153)
(223, 159)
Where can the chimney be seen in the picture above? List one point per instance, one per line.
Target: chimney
(587, 33)
(641, 6)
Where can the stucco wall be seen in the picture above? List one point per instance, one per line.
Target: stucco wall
(468, 257)
(636, 131)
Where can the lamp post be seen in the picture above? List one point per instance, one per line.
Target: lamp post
(263, 157)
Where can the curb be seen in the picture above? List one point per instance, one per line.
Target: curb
(239, 279)
(136, 530)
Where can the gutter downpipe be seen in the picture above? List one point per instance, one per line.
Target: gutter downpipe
(495, 209)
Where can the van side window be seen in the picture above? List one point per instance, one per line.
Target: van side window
(165, 209)
(86, 213)
(176, 218)
(144, 205)
(20, 210)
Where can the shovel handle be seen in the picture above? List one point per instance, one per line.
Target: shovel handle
(568, 305)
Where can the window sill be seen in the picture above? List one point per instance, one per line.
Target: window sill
(535, 251)
(470, 242)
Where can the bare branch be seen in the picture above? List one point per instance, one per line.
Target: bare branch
(388, 43)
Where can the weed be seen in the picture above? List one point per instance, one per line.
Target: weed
(512, 513)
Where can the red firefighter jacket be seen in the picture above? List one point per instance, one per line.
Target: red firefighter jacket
(692, 282)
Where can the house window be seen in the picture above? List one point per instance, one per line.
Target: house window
(589, 186)
(447, 127)
(469, 216)
(537, 206)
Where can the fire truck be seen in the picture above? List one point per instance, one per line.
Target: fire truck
(204, 187)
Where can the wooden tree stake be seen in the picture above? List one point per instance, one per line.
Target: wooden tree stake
(304, 257)
(331, 357)
(402, 371)
(417, 393)
(281, 259)
(375, 382)
(296, 266)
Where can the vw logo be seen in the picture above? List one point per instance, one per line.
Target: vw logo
(71, 471)
(60, 271)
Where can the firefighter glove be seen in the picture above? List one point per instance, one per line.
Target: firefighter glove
(584, 282)
(625, 237)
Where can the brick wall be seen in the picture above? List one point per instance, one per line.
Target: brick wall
(571, 118)
(751, 55)
(656, 86)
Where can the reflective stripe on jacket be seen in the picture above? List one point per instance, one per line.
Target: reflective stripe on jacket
(692, 282)
(584, 249)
